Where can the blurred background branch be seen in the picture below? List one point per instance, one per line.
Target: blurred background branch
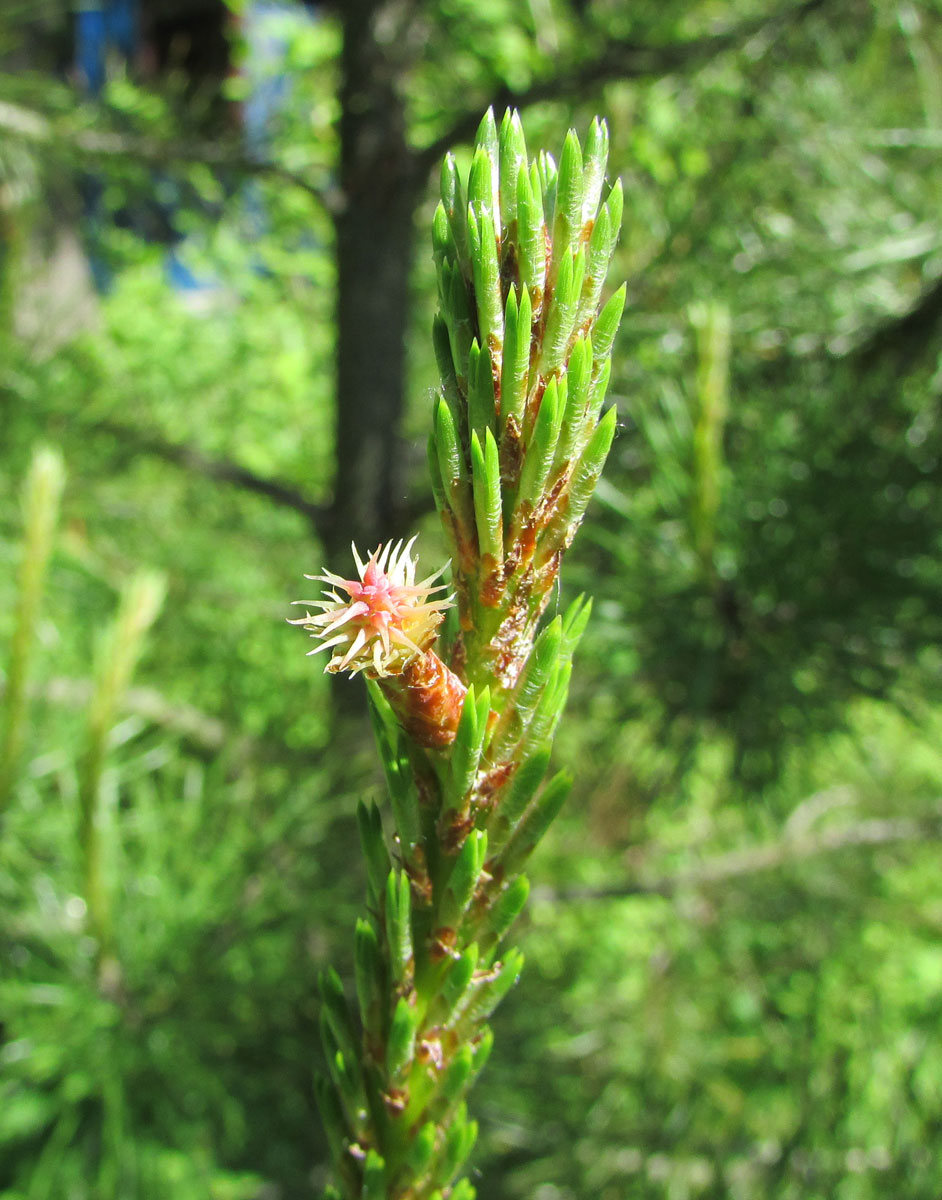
(750, 860)
(621, 60)
(91, 146)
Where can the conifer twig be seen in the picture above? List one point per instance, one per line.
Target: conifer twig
(467, 681)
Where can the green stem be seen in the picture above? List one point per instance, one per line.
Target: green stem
(120, 649)
(41, 494)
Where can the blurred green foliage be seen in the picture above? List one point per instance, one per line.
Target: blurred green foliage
(755, 717)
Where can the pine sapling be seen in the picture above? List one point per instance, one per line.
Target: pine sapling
(465, 710)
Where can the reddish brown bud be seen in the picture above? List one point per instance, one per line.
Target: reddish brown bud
(427, 698)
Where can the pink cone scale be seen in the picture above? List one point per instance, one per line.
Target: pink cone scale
(380, 622)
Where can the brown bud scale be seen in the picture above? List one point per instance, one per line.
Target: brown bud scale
(427, 698)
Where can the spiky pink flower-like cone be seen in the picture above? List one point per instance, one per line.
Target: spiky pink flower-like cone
(384, 626)
(385, 619)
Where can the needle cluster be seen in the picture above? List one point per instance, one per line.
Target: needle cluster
(464, 721)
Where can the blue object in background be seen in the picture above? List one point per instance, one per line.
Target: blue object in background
(110, 28)
(102, 27)
(264, 30)
(91, 46)
(108, 32)
(121, 26)
(91, 49)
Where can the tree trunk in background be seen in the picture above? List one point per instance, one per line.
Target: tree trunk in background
(374, 259)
